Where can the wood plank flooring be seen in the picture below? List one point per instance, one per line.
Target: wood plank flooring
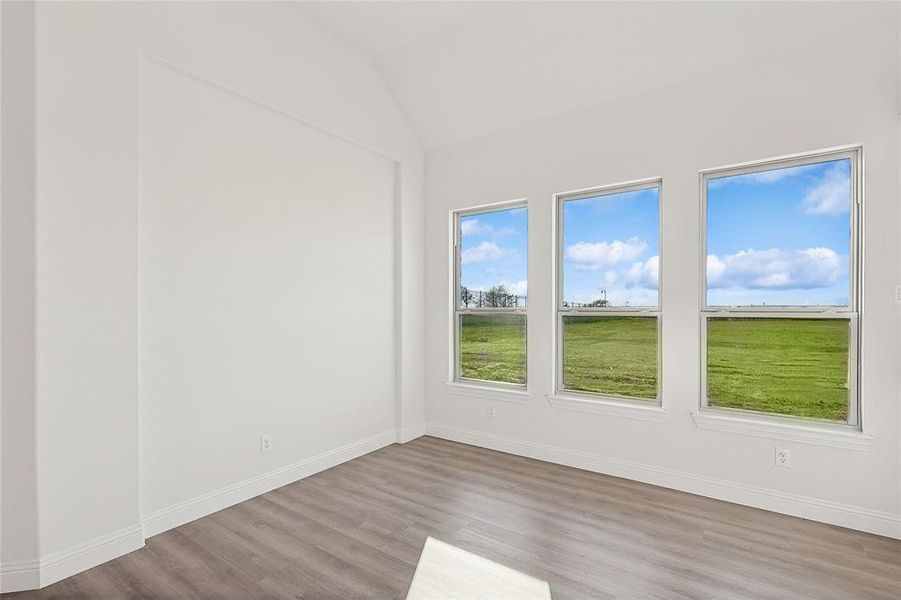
(356, 531)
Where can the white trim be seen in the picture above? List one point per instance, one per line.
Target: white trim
(455, 282)
(488, 392)
(20, 576)
(611, 188)
(840, 436)
(609, 406)
(561, 311)
(31, 575)
(761, 164)
(806, 507)
(206, 504)
(852, 152)
(68, 562)
(410, 433)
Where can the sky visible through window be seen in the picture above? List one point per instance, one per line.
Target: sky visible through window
(611, 249)
(494, 251)
(780, 237)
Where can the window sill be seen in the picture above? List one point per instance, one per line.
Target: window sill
(487, 392)
(814, 433)
(607, 406)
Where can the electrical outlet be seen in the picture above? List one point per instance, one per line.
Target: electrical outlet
(266, 443)
(898, 294)
(492, 411)
(784, 458)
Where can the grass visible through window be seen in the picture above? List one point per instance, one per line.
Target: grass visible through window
(493, 348)
(795, 367)
(614, 356)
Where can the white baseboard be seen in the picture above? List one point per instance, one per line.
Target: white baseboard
(82, 557)
(201, 506)
(16, 577)
(19, 576)
(408, 434)
(806, 507)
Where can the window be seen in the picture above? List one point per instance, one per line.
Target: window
(490, 294)
(780, 287)
(608, 301)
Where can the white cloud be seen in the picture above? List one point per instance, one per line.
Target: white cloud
(474, 227)
(776, 269)
(610, 278)
(517, 288)
(599, 255)
(485, 251)
(644, 274)
(762, 177)
(831, 195)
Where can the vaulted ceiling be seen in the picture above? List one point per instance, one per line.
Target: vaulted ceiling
(461, 70)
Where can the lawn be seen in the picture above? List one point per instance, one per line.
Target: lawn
(493, 348)
(615, 356)
(784, 366)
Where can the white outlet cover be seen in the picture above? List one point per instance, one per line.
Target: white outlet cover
(784, 458)
(266, 443)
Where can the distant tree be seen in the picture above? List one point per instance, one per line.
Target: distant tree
(598, 302)
(497, 296)
(466, 296)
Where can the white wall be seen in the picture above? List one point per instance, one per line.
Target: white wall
(267, 289)
(18, 478)
(842, 91)
(90, 155)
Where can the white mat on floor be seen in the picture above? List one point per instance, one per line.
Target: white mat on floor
(445, 572)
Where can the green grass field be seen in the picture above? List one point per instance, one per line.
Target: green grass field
(493, 348)
(784, 366)
(615, 356)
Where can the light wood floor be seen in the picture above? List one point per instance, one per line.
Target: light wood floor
(355, 531)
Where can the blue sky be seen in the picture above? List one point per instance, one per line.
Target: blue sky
(611, 244)
(494, 250)
(780, 237)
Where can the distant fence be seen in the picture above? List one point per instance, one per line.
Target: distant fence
(593, 304)
(479, 299)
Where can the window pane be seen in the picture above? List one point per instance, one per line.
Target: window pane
(611, 249)
(493, 348)
(493, 258)
(614, 356)
(780, 237)
(795, 367)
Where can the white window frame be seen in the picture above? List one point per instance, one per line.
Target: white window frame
(458, 383)
(578, 399)
(851, 313)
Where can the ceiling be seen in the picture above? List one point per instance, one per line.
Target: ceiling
(462, 70)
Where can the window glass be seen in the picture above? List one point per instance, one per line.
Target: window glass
(494, 259)
(490, 314)
(611, 355)
(795, 367)
(611, 249)
(781, 321)
(780, 237)
(608, 328)
(493, 348)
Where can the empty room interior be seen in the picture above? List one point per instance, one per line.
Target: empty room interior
(450, 300)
